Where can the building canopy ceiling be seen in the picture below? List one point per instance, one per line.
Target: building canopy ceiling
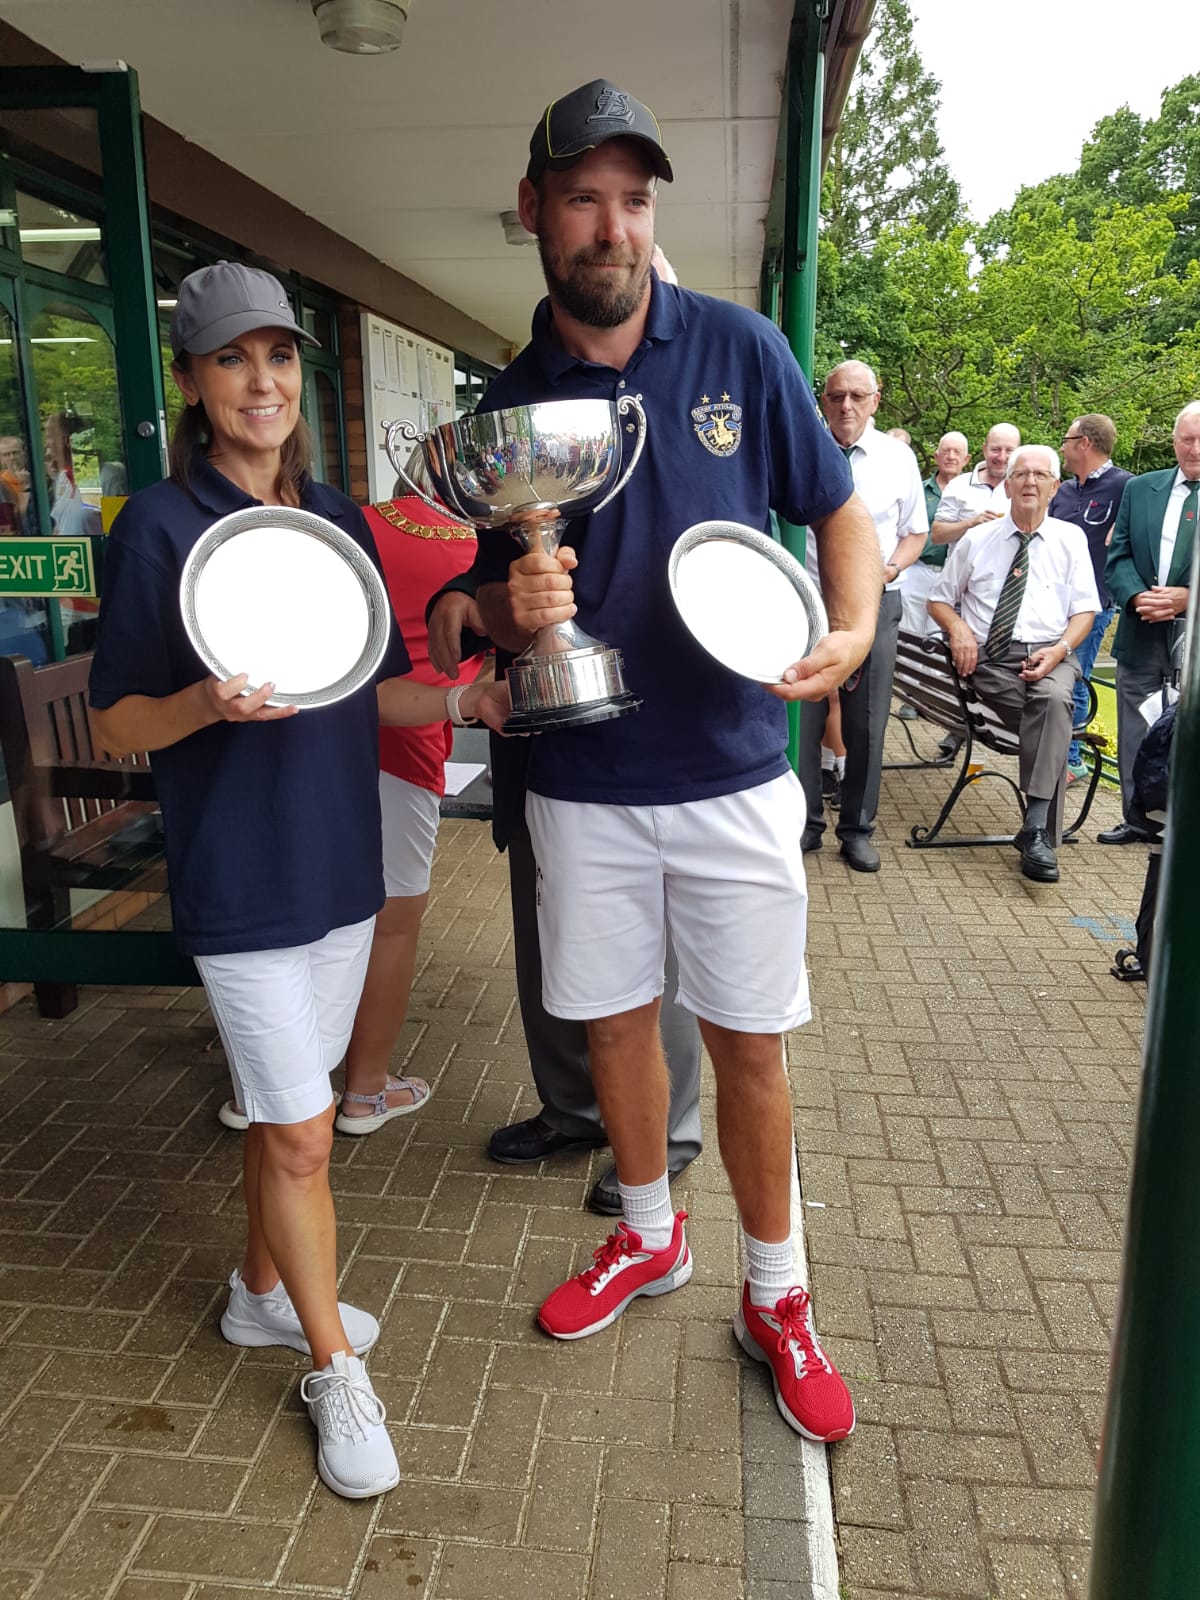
(414, 155)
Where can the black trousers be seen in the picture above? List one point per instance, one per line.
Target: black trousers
(865, 710)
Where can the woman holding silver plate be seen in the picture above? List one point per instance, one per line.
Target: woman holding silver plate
(271, 817)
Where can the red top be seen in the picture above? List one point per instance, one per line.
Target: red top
(421, 551)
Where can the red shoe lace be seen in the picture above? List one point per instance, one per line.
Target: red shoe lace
(795, 1327)
(607, 1256)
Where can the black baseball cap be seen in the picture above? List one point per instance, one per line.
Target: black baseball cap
(585, 118)
(216, 304)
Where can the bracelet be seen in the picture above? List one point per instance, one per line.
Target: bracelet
(453, 697)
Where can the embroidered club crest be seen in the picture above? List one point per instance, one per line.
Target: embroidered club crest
(718, 425)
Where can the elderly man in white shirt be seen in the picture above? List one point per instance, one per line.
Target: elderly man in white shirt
(976, 497)
(1017, 598)
(888, 479)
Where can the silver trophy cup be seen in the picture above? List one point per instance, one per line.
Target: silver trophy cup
(530, 469)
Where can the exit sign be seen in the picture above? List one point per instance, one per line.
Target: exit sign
(47, 567)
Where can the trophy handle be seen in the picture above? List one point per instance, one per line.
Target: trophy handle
(411, 434)
(627, 403)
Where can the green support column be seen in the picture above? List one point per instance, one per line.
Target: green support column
(802, 205)
(1147, 1531)
(127, 238)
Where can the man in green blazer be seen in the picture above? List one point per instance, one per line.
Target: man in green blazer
(1149, 571)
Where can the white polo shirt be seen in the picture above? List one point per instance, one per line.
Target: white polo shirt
(968, 495)
(888, 479)
(1060, 584)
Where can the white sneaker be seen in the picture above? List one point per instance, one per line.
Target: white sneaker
(354, 1454)
(261, 1319)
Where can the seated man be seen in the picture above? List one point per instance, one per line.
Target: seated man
(1027, 596)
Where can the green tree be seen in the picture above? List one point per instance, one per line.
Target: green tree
(887, 163)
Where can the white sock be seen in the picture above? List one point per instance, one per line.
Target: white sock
(770, 1269)
(827, 758)
(647, 1209)
(839, 764)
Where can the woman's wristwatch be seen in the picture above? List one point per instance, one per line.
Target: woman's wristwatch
(453, 697)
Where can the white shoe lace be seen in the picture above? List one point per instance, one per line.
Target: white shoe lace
(349, 1403)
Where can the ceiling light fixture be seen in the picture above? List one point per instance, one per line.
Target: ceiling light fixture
(361, 27)
(515, 231)
(58, 235)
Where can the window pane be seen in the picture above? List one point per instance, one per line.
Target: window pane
(23, 626)
(60, 240)
(76, 377)
(320, 404)
(320, 325)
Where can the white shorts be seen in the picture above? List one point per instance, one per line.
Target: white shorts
(410, 827)
(285, 1018)
(919, 580)
(726, 874)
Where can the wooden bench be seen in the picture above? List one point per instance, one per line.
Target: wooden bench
(926, 680)
(82, 823)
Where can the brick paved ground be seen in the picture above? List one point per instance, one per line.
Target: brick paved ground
(965, 1105)
(964, 1101)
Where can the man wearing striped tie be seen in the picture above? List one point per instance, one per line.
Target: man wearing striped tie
(1017, 598)
(1149, 571)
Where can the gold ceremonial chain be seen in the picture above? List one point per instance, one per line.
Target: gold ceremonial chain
(419, 530)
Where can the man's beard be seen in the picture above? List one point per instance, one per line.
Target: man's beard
(605, 304)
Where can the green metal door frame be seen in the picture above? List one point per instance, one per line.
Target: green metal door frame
(113, 95)
(805, 98)
(1147, 1533)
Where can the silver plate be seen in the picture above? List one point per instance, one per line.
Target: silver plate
(745, 599)
(287, 598)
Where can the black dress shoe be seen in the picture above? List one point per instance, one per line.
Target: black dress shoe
(810, 839)
(1038, 860)
(1127, 967)
(606, 1197)
(858, 852)
(534, 1140)
(1123, 833)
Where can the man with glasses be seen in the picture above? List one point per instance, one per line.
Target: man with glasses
(888, 480)
(1149, 569)
(1090, 498)
(1017, 598)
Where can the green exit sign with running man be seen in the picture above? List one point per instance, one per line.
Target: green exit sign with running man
(47, 567)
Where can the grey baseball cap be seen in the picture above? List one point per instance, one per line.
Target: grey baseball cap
(585, 118)
(218, 303)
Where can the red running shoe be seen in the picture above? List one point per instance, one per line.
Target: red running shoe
(621, 1270)
(809, 1389)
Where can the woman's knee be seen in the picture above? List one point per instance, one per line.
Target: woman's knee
(299, 1150)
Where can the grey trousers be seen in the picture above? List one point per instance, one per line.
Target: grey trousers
(865, 710)
(558, 1055)
(1134, 683)
(1040, 714)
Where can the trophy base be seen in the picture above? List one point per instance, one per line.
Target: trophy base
(571, 716)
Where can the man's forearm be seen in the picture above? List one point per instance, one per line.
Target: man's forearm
(1077, 629)
(851, 568)
(908, 549)
(944, 615)
(948, 532)
(496, 612)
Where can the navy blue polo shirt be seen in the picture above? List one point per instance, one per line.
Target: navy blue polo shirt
(272, 829)
(1093, 506)
(732, 432)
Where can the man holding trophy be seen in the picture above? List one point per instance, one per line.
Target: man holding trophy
(684, 814)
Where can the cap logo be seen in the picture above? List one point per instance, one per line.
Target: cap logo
(612, 105)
